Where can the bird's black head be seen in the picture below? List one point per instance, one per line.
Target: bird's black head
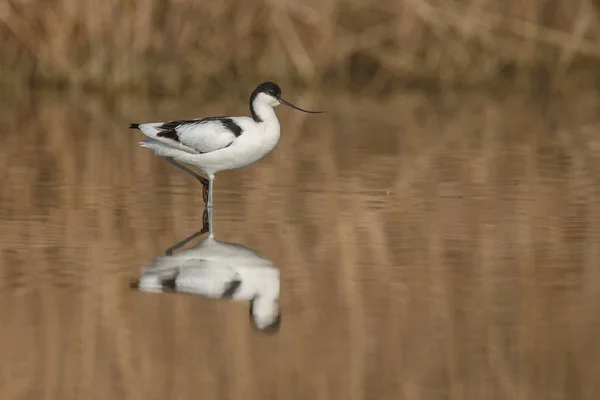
(270, 88)
(269, 93)
(273, 325)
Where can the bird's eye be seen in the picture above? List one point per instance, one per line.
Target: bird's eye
(272, 92)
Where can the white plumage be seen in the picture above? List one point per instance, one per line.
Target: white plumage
(197, 136)
(211, 146)
(216, 269)
(216, 144)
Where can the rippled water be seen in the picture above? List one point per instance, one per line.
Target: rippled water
(430, 247)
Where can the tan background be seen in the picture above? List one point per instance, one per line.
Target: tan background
(431, 247)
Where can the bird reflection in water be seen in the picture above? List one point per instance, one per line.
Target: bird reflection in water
(218, 270)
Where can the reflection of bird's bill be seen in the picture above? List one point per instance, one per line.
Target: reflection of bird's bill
(282, 101)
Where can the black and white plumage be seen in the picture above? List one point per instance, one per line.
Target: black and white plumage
(217, 133)
(216, 144)
(220, 270)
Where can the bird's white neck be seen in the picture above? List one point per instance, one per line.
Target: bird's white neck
(264, 112)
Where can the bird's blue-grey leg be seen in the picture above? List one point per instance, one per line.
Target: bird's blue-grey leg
(181, 243)
(203, 180)
(211, 180)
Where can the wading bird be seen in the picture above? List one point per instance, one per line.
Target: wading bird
(215, 144)
(219, 270)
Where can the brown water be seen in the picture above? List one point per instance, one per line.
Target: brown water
(430, 248)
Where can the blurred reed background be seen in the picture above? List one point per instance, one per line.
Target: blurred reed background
(168, 46)
(433, 244)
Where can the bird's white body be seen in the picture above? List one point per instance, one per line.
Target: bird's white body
(216, 269)
(204, 270)
(211, 146)
(216, 144)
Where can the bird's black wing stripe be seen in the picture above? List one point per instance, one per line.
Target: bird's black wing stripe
(169, 129)
(231, 288)
(169, 284)
(227, 122)
(232, 126)
(169, 135)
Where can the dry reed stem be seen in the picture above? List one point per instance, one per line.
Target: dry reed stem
(161, 46)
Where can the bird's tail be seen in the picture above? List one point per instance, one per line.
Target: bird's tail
(154, 284)
(134, 126)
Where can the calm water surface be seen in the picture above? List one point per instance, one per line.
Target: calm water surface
(430, 248)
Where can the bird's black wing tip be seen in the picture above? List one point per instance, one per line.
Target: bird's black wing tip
(134, 126)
